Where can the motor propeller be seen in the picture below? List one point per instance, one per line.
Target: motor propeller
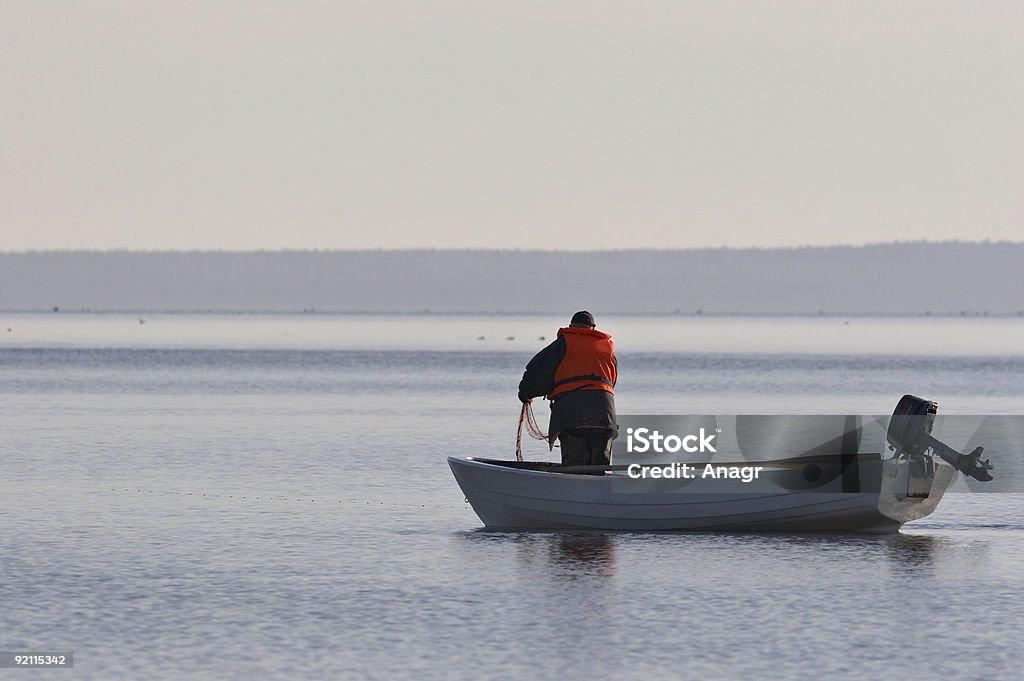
(910, 434)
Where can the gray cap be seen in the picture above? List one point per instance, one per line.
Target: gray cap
(582, 318)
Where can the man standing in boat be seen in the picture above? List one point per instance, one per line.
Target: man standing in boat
(577, 372)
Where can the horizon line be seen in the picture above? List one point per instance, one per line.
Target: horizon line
(339, 312)
(474, 249)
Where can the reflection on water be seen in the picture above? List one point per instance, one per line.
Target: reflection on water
(911, 552)
(574, 554)
(581, 555)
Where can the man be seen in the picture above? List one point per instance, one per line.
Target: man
(577, 372)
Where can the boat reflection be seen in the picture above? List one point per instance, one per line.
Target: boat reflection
(582, 555)
(569, 554)
(591, 556)
(946, 554)
(911, 552)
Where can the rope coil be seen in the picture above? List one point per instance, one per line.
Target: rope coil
(532, 429)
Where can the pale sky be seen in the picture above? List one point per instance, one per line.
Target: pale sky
(579, 124)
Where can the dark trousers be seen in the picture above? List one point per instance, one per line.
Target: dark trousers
(586, 447)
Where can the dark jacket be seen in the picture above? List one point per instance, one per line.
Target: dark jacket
(576, 409)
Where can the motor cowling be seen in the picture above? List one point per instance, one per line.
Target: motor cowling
(910, 434)
(911, 423)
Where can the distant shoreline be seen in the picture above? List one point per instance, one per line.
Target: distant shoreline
(918, 278)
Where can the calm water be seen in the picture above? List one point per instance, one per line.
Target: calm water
(267, 497)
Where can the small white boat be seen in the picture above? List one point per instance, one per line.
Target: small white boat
(860, 492)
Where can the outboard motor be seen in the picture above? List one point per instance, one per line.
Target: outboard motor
(910, 435)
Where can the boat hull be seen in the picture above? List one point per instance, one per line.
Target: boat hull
(512, 498)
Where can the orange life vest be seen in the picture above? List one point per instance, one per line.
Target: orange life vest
(589, 362)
